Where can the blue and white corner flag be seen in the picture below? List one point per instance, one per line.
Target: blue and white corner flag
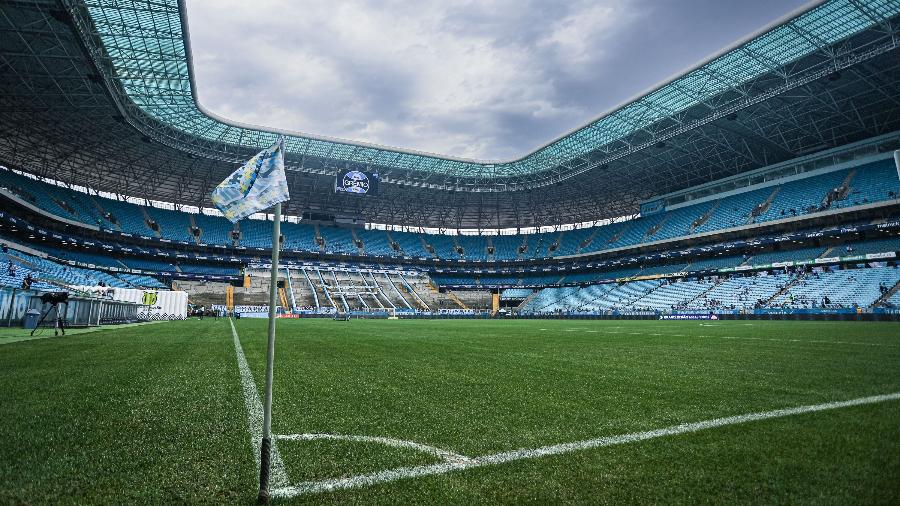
(258, 185)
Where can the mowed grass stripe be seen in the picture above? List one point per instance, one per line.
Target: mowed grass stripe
(147, 414)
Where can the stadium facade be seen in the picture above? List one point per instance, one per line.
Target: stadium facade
(763, 180)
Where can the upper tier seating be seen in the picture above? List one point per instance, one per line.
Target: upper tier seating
(506, 247)
(174, 225)
(129, 217)
(339, 240)
(376, 242)
(213, 229)
(411, 244)
(866, 183)
(474, 247)
(873, 183)
(443, 245)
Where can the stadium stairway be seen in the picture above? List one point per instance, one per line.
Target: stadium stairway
(522, 250)
(527, 300)
(357, 242)
(147, 220)
(336, 288)
(373, 290)
(704, 293)
(319, 239)
(204, 293)
(652, 230)
(456, 299)
(763, 206)
(193, 226)
(418, 298)
(470, 299)
(380, 290)
(282, 297)
(323, 288)
(586, 244)
(704, 217)
(312, 289)
(888, 295)
(787, 287)
(290, 288)
(396, 291)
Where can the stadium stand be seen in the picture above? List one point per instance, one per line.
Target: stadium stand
(871, 183)
(845, 288)
(565, 218)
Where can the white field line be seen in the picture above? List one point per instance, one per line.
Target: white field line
(277, 475)
(397, 443)
(814, 341)
(312, 487)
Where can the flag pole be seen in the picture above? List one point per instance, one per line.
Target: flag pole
(266, 447)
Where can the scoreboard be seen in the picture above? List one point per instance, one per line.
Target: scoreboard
(356, 182)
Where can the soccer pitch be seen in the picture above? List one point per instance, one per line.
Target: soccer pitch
(457, 411)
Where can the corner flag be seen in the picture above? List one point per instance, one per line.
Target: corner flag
(256, 186)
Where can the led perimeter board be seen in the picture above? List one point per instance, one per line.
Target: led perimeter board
(357, 182)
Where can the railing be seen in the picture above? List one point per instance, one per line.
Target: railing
(79, 311)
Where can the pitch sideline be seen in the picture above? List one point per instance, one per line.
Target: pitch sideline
(278, 476)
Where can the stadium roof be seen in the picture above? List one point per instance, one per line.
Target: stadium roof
(149, 51)
(100, 92)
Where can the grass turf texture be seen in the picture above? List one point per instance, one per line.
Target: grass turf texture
(156, 413)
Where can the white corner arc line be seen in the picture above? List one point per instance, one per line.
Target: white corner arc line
(312, 487)
(277, 474)
(440, 453)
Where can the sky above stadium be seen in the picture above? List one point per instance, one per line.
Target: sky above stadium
(487, 80)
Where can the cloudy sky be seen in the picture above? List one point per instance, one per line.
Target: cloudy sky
(481, 79)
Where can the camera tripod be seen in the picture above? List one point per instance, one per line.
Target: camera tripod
(59, 325)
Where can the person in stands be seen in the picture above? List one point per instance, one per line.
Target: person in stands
(26, 283)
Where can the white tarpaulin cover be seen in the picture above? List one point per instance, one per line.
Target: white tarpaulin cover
(160, 304)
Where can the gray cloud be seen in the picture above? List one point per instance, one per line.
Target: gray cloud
(488, 79)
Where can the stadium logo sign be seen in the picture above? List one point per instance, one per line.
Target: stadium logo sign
(355, 181)
(150, 298)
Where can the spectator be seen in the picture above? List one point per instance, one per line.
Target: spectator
(26, 283)
(11, 269)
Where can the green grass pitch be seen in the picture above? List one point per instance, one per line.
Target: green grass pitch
(156, 413)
